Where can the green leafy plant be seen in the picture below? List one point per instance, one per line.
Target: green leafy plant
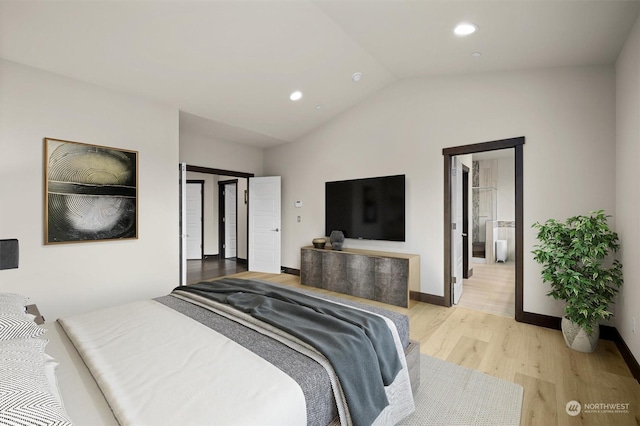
(574, 257)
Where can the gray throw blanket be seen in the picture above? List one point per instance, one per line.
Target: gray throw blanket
(359, 345)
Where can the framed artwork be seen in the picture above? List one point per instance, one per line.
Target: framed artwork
(91, 192)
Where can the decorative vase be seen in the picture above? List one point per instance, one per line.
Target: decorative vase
(319, 242)
(577, 339)
(337, 239)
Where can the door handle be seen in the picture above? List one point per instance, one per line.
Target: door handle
(277, 230)
(464, 235)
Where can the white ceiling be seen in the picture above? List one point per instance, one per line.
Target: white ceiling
(235, 63)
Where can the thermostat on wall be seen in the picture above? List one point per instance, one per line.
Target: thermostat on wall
(298, 204)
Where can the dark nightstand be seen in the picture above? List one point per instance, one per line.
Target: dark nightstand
(33, 310)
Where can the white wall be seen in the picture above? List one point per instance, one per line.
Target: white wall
(206, 151)
(627, 194)
(506, 202)
(506, 184)
(566, 115)
(70, 278)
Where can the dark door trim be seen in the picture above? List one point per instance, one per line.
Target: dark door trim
(201, 183)
(466, 272)
(221, 223)
(448, 153)
(220, 172)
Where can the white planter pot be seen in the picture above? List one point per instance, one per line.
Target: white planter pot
(577, 339)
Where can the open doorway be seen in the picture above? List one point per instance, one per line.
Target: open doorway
(453, 214)
(225, 224)
(490, 285)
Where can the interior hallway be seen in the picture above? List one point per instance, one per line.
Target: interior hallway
(491, 289)
(212, 267)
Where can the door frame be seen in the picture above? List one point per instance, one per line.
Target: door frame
(466, 272)
(211, 171)
(456, 230)
(221, 225)
(447, 153)
(201, 183)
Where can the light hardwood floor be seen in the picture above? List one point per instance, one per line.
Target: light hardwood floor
(551, 374)
(491, 288)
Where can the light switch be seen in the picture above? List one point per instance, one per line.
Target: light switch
(298, 204)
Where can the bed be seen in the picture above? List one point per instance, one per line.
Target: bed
(192, 358)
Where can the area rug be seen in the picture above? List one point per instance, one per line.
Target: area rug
(452, 395)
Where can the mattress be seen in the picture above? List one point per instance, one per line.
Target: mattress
(156, 366)
(301, 385)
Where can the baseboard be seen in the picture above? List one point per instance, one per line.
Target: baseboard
(607, 332)
(628, 357)
(541, 320)
(290, 271)
(216, 256)
(426, 298)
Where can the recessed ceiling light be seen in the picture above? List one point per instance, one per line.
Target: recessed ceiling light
(296, 96)
(356, 76)
(476, 54)
(465, 29)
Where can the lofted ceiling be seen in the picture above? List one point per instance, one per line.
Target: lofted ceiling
(230, 65)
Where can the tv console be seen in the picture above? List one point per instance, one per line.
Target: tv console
(382, 276)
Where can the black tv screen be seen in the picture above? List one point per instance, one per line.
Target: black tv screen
(371, 209)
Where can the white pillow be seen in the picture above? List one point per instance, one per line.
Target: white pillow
(50, 374)
(12, 304)
(14, 298)
(31, 350)
(24, 383)
(17, 327)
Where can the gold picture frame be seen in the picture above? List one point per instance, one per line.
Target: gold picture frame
(91, 192)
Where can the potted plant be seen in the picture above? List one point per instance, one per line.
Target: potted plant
(576, 263)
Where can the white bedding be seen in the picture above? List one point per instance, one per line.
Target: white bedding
(144, 359)
(398, 393)
(80, 394)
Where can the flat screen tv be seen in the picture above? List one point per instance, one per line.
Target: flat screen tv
(371, 209)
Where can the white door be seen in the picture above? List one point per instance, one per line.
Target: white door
(264, 224)
(230, 220)
(182, 179)
(194, 221)
(456, 228)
